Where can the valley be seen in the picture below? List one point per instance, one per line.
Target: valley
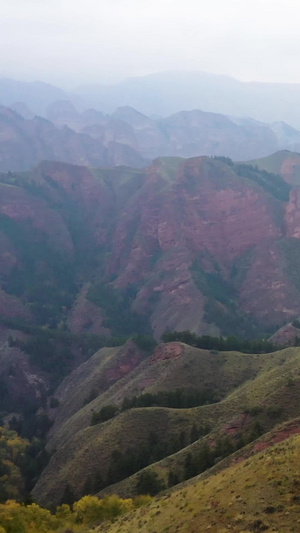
(149, 322)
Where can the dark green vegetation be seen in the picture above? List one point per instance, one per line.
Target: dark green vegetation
(43, 277)
(219, 343)
(116, 304)
(271, 181)
(177, 399)
(221, 306)
(53, 350)
(205, 455)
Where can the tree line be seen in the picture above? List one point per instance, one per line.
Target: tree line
(231, 343)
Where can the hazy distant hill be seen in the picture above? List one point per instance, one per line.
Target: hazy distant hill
(169, 92)
(184, 134)
(127, 137)
(36, 95)
(166, 93)
(26, 142)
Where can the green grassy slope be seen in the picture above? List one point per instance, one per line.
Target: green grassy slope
(255, 495)
(283, 162)
(221, 372)
(259, 392)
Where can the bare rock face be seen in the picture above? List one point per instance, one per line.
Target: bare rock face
(290, 169)
(164, 352)
(8, 259)
(19, 206)
(204, 213)
(275, 299)
(200, 244)
(13, 307)
(86, 317)
(292, 214)
(286, 335)
(196, 132)
(20, 382)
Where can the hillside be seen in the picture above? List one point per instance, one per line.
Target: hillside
(184, 134)
(24, 143)
(91, 257)
(284, 162)
(128, 137)
(257, 494)
(182, 244)
(240, 396)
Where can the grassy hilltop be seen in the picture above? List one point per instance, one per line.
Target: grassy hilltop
(243, 396)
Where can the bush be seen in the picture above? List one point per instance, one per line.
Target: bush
(149, 483)
(106, 413)
(91, 509)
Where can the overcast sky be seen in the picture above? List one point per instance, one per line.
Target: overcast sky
(73, 42)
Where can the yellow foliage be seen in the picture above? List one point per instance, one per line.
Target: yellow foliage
(90, 509)
(12, 451)
(19, 518)
(64, 512)
(143, 499)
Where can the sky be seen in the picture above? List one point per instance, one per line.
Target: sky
(75, 42)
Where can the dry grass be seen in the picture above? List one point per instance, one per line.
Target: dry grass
(258, 494)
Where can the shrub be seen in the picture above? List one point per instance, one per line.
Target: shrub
(106, 413)
(149, 483)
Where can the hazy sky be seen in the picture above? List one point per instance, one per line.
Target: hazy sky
(73, 42)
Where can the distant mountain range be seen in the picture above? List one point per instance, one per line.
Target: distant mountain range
(167, 93)
(127, 137)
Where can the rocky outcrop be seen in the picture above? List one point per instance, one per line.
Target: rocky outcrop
(21, 384)
(286, 335)
(164, 352)
(197, 244)
(292, 214)
(86, 317)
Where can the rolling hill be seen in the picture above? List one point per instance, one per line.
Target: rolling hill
(257, 494)
(240, 397)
